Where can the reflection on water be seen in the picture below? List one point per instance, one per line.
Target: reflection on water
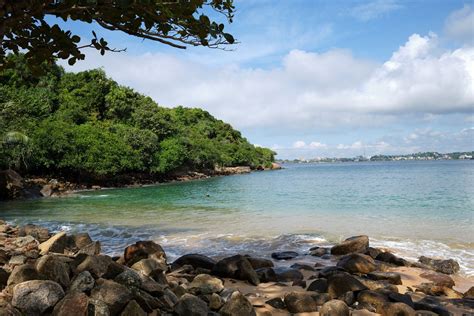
(412, 207)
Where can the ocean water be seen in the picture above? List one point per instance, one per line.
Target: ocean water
(413, 208)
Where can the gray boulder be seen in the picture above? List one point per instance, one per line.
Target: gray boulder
(350, 245)
(36, 296)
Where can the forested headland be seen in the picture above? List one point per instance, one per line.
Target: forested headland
(86, 127)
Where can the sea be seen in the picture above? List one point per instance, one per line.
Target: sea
(412, 208)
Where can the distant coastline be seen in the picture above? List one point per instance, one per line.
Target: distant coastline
(467, 155)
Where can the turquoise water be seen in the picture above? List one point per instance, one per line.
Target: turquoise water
(414, 208)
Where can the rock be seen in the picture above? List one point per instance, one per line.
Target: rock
(401, 298)
(348, 298)
(237, 267)
(100, 266)
(133, 309)
(397, 309)
(144, 250)
(39, 233)
(11, 184)
(277, 303)
(469, 293)
(57, 244)
(83, 282)
(373, 252)
(334, 308)
(373, 298)
(319, 286)
(81, 240)
(284, 255)
(436, 290)
(339, 284)
(91, 249)
(115, 295)
(149, 267)
(195, 260)
(215, 302)
(287, 274)
(47, 190)
(26, 242)
(36, 296)
(391, 258)
(266, 275)
(54, 269)
(302, 266)
(449, 266)
(258, 263)
(237, 305)
(97, 308)
(129, 278)
(350, 245)
(319, 251)
(438, 279)
(23, 273)
(205, 284)
(190, 305)
(4, 275)
(146, 301)
(357, 263)
(17, 260)
(331, 270)
(72, 304)
(4, 257)
(391, 277)
(301, 302)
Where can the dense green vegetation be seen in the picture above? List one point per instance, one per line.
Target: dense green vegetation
(86, 125)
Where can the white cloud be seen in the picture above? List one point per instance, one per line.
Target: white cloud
(308, 89)
(315, 145)
(460, 25)
(374, 9)
(299, 144)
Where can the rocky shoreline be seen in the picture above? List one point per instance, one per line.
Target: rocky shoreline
(13, 186)
(59, 274)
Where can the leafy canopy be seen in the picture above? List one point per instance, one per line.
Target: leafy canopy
(86, 125)
(177, 23)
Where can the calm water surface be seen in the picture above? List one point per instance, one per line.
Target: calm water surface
(414, 208)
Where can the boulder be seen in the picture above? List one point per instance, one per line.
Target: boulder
(401, 298)
(11, 184)
(83, 282)
(326, 272)
(54, 269)
(39, 233)
(302, 266)
(440, 279)
(133, 309)
(149, 267)
(284, 255)
(237, 267)
(81, 240)
(4, 275)
(100, 266)
(258, 263)
(284, 274)
(97, 308)
(215, 302)
(277, 303)
(373, 252)
(195, 260)
(334, 308)
(17, 260)
(373, 298)
(36, 296)
(72, 304)
(28, 242)
(397, 309)
(357, 263)
(91, 249)
(266, 275)
(391, 277)
(301, 302)
(237, 305)
(129, 278)
(23, 273)
(391, 258)
(115, 295)
(350, 245)
(205, 284)
(144, 250)
(190, 305)
(47, 190)
(319, 251)
(469, 293)
(56, 244)
(319, 286)
(449, 266)
(339, 284)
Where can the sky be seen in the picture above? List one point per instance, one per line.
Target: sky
(314, 78)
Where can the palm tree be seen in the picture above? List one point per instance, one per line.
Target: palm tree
(16, 148)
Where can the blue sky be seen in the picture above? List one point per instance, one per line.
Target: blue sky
(320, 78)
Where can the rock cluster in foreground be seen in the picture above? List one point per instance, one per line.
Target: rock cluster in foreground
(60, 274)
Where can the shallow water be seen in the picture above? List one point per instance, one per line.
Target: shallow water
(413, 208)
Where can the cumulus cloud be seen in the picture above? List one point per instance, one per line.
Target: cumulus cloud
(308, 89)
(460, 25)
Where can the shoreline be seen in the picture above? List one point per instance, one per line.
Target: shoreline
(350, 277)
